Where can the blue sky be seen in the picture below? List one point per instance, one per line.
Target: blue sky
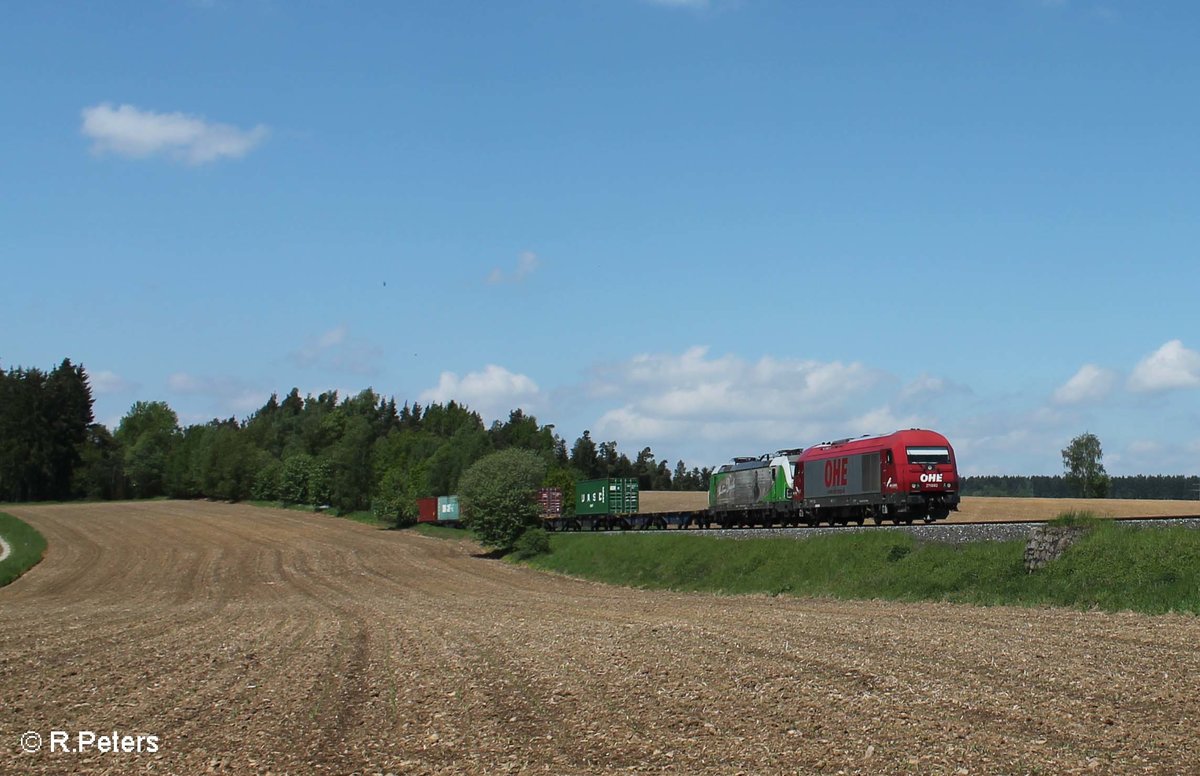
(715, 228)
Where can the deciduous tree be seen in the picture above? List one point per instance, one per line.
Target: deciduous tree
(1082, 462)
(497, 496)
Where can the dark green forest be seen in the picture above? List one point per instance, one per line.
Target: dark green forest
(354, 453)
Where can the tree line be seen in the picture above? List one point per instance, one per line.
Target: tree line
(1155, 486)
(354, 453)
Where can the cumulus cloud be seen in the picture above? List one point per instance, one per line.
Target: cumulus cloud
(338, 351)
(492, 392)
(1170, 367)
(228, 396)
(881, 420)
(1158, 456)
(135, 133)
(692, 385)
(527, 262)
(106, 382)
(692, 397)
(1090, 383)
(925, 388)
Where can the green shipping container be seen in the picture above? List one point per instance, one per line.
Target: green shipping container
(447, 509)
(617, 496)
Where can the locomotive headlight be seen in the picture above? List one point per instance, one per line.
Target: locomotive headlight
(915, 486)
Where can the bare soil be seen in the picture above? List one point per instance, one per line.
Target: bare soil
(258, 641)
(976, 508)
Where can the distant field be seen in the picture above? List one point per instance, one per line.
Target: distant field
(672, 500)
(977, 508)
(986, 508)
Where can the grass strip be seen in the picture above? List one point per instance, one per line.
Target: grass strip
(442, 531)
(27, 545)
(1113, 567)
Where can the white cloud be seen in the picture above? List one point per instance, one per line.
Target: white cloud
(492, 392)
(106, 382)
(1090, 383)
(527, 262)
(926, 389)
(1171, 366)
(883, 419)
(923, 386)
(337, 350)
(228, 396)
(1154, 456)
(732, 405)
(691, 385)
(129, 131)
(332, 338)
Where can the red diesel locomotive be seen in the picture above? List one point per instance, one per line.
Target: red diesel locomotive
(900, 477)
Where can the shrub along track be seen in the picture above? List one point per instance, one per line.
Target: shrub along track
(255, 641)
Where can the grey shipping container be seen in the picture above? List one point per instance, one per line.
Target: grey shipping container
(615, 496)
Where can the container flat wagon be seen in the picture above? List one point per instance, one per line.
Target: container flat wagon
(603, 505)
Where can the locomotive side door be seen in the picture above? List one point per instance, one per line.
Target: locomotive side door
(887, 476)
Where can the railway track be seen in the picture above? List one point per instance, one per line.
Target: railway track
(950, 533)
(687, 521)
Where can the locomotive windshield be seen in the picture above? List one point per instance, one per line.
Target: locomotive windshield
(927, 455)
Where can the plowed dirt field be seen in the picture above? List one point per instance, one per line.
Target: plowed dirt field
(253, 641)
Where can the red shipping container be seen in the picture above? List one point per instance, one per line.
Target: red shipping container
(427, 510)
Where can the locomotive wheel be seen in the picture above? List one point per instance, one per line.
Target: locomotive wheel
(877, 519)
(858, 521)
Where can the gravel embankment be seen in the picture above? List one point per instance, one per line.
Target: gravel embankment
(949, 533)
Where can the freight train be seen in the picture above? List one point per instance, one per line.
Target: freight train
(902, 477)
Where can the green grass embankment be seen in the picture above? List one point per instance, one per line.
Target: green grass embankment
(1113, 568)
(27, 546)
(441, 531)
